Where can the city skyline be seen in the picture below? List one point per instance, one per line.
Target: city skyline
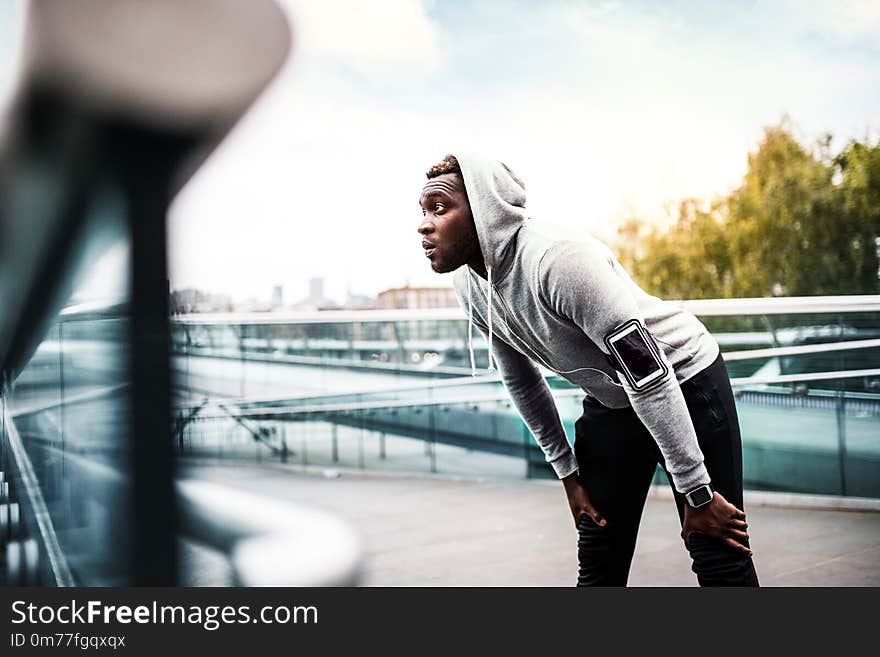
(307, 295)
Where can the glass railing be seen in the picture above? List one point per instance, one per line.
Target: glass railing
(806, 375)
(395, 346)
(71, 408)
(477, 438)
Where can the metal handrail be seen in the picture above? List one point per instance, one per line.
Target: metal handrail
(271, 411)
(72, 400)
(29, 485)
(747, 354)
(700, 307)
(269, 543)
(818, 348)
(317, 361)
(810, 376)
(434, 385)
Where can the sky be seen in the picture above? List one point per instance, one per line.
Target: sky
(605, 110)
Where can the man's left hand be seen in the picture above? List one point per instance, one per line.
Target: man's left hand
(719, 519)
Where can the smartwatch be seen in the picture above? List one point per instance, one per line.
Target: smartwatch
(699, 496)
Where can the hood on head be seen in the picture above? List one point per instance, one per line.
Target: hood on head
(498, 203)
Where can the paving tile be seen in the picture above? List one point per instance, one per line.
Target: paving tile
(434, 531)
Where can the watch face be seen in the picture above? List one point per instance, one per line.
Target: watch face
(700, 496)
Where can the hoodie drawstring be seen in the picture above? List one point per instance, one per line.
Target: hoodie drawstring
(491, 365)
(471, 324)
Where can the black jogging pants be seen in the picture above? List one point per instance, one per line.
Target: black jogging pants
(617, 458)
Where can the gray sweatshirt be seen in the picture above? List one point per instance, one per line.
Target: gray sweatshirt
(552, 302)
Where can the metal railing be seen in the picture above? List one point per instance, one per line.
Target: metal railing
(811, 355)
(699, 307)
(434, 342)
(267, 542)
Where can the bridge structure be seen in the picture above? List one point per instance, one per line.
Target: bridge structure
(806, 374)
(392, 392)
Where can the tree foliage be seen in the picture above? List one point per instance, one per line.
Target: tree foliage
(801, 223)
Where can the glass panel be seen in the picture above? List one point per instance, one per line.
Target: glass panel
(398, 395)
(71, 408)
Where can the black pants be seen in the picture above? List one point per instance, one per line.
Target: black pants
(617, 458)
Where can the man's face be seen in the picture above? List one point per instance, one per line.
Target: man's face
(449, 236)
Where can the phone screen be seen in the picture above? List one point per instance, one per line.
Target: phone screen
(635, 353)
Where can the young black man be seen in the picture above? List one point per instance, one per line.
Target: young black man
(657, 390)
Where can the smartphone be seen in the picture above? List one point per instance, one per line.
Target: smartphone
(637, 354)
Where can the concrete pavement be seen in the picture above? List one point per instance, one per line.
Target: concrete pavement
(444, 531)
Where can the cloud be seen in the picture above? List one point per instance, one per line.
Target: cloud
(391, 37)
(602, 111)
(848, 22)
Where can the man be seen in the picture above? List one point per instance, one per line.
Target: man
(656, 387)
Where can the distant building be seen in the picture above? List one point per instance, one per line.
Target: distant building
(316, 290)
(191, 300)
(417, 297)
(359, 302)
(316, 299)
(277, 296)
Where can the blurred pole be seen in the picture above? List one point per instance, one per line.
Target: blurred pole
(363, 420)
(180, 436)
(241, 338)
(148, 185)
(61, 399)
(432, 436)
(840, 409)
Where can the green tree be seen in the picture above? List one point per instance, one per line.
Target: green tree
(780, 219)
(801, 223)
(858, 167)
(691, 260)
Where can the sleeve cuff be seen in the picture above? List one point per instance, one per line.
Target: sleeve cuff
(564, 465)
(690, 479)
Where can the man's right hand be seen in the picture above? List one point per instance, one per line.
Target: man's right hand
(579, 501)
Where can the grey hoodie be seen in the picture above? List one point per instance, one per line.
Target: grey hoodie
(552, 302)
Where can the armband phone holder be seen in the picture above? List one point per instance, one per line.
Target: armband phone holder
(634, 352)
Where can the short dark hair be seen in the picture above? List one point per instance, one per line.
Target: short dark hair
(447, 165)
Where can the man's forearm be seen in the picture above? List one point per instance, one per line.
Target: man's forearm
(664, 413)
(534, 402)
(537, 408)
